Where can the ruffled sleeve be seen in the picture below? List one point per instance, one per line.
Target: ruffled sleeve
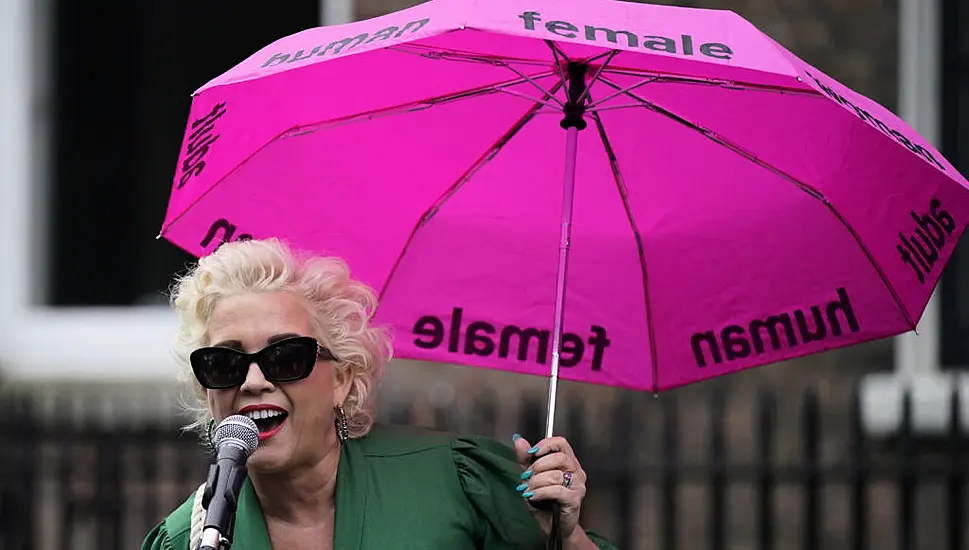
(157, 539)
(489, 473)
(171, 533)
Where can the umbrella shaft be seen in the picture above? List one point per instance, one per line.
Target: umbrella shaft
(568, 187)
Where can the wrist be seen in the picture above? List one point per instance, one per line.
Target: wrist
(578, 540)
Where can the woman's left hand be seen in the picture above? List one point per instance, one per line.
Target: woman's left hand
(551, 472)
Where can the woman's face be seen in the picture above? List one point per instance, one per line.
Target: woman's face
(250, 322)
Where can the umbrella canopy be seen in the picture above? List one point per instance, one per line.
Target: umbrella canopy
(725, 205)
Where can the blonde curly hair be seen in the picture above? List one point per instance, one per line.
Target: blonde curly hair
(342, 308)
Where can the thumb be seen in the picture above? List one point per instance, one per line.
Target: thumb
(521, 450)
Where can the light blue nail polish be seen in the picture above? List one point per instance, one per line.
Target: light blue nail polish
(527, 474)
(533, 450)
(528, 494)
(521, 487)
(515, 437)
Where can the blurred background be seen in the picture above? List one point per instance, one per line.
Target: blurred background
(859, 448)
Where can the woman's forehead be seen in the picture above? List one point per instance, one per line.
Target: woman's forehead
(258, 318)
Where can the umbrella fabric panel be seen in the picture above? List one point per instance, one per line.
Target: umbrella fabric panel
(491, 251)
(728, 246)
(308, 185)
(229, 124)
(864, 174)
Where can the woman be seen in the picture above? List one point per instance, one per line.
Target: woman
(286, 339)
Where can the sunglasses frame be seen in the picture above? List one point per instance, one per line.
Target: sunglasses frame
(258, 357)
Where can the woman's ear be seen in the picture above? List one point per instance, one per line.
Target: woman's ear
(342, 381)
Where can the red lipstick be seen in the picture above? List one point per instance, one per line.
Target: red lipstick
(269, 426)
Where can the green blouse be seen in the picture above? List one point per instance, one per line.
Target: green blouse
(403, 488)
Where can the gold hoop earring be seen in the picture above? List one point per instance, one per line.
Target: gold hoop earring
(340, 422)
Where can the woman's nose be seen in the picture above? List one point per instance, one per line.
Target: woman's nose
(255, 381)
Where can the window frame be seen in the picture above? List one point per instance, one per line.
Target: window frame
(46, 343)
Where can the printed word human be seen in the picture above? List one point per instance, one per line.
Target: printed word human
(734, 342)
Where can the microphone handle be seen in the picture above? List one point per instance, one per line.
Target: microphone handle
(221, 498)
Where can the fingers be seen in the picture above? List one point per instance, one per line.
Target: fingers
(568, 497)
(526, 453)
(546, 466)
(547, 479)
(546, 463)
(555, 461)
(533, 486)
(551, 445)
(548, 454)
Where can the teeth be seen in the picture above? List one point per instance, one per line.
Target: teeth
(263, 413)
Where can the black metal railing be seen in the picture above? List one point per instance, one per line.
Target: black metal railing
(684, 471)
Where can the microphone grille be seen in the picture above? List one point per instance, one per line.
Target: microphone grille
(237, 430)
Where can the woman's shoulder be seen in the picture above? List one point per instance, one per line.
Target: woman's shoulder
(477, 463)
(173, 531)
(385, 440)
(404, 441)
(475, 475)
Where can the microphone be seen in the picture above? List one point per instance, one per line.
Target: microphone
(236, 438)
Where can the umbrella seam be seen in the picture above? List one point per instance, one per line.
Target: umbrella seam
(661, 78)
(623, 195)
(367, 115)
(483, 160)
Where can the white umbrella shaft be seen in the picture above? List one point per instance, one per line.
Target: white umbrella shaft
(565, 242)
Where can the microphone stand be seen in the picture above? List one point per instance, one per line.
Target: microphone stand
(225, 480)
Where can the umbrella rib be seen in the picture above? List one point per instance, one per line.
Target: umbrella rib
(615, 107)
(651, 76)
(535, 84)
(445, 54)
(623, 194)
(556, 51)
(483, 160)
(430, 102)
(598, 73)
(620, 92)
(487, 60)
(811, 191)
(558, 62)
(542, 102)
(368, 115)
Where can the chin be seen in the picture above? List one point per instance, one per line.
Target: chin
(269, 461)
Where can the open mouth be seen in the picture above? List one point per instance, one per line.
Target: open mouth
(268, 421)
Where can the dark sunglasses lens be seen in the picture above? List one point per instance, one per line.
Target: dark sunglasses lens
(219, 368)
(289, 361)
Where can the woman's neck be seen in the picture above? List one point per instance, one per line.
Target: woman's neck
(300, 496)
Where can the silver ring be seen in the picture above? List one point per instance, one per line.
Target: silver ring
(567, 482)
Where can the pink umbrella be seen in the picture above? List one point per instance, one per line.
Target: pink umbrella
(725, 205)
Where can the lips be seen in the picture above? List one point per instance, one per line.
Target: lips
(269, 419)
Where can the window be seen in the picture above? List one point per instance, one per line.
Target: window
(93, 104)
(121, 75)
(954, 290)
